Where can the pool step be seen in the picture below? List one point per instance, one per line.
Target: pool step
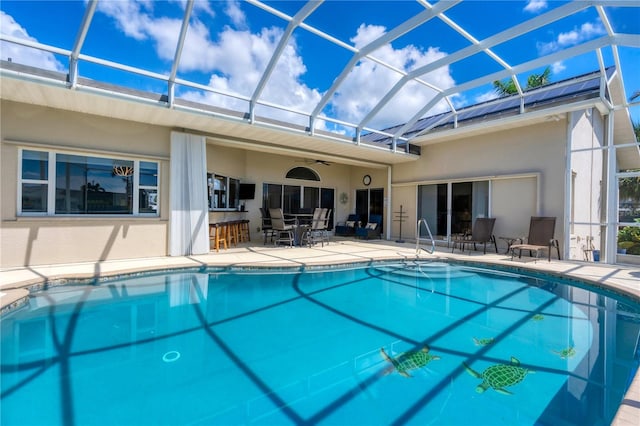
(430, 270)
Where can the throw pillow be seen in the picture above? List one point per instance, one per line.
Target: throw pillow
(372, 225)
(351, 223)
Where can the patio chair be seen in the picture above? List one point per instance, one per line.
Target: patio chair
(327, 220)
(267, 228)
(284, 229)
(315, 231)
(481, 233)
(541, 237)
(348, 227)
(372, 229)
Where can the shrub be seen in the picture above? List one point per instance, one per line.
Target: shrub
(629, 238)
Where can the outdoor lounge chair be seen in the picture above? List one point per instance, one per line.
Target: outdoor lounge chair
(541, 237)
(481, 233)
(373, 228)
(349, 227)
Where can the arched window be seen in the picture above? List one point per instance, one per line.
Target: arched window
(303, 173)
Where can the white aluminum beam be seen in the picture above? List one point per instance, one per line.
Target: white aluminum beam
(523, 28)
(386, 38)
(77, 45)
(306, 10)
(176, 58)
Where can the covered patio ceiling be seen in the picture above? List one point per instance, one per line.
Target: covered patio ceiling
(167, 90)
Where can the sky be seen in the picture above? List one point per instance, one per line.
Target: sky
(230, 43)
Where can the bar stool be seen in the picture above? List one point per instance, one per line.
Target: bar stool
(217, 235)
(232, 232)
(245, 232)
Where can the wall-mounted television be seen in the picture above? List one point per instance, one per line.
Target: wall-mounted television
(247, 191)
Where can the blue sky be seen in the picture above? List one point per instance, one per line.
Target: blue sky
(229, 44)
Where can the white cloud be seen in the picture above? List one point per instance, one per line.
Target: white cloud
(366, 34)
(21, 54)
(368, 82)
(235, 13)
(200, 7)
(132, 17)
(557, 67)
(486, 96)
(237, 62)
(534, 6)
(586, 31)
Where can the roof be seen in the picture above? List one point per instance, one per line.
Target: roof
(568, 91)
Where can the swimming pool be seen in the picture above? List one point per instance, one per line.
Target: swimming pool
(385, 343)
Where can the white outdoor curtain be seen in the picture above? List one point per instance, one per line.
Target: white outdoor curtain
(189, 222)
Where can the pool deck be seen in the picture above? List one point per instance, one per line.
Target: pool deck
(15, 283)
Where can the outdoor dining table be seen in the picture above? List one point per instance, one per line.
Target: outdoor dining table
(303, 220)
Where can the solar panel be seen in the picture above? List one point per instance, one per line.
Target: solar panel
(585, 85)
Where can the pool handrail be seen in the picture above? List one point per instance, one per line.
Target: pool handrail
(418, 246)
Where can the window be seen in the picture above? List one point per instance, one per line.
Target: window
(148, 189)
(223, 192)
(35, 181)
(303, 173)
(53, 183)
(271, 196)
(296, 199)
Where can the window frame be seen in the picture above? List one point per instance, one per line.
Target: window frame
(228, 192)
(52, 159)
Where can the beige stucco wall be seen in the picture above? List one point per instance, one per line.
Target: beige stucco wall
(514, 160)
(45, 240)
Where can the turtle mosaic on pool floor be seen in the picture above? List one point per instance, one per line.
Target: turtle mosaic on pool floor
(499, 376)
(483, 341)
(407, 361)
(566, 353)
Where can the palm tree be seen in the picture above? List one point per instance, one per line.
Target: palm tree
(537, 80)
(508, 87)
(505, 88)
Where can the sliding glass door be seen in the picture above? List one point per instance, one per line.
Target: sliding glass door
(432, 206)
(450, 208)
(368, 202)
(298, 199)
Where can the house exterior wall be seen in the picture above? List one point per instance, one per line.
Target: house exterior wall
(525, 167)
(47, 240)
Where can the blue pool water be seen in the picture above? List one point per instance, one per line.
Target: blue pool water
(278, 348)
